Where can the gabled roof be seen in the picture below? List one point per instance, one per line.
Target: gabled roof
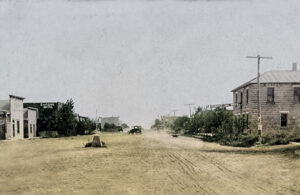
(275, 76)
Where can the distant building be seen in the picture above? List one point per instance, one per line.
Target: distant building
(42, 106)
(46, 114)
(81, 118)
(227, 106)
(12, 119)
(279, 97)
(110, 120)
(30, 122)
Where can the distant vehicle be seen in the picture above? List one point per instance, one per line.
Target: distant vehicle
(175, 135)
(136, 129)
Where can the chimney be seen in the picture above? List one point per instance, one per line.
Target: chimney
(295, 66)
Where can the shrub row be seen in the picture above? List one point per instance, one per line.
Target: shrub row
(226, 128)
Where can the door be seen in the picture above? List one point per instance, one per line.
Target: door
(26, 134)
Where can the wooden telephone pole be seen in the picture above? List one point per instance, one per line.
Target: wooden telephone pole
(190, 108)
(258, 57)
(174, 111)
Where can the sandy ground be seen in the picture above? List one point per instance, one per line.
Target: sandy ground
(152, 163)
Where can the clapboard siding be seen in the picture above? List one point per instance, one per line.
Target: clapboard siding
(271, 113)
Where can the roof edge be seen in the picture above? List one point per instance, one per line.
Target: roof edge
(17, 97)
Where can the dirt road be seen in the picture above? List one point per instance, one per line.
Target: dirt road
(152, 163)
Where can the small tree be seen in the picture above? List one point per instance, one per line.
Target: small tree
(124, 126)
(66, 122)
(108, 126)
(180, 123)
(157, 123)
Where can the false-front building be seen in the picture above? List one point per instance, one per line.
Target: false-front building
(17, 122)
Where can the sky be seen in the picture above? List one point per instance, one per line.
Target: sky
(140, 59)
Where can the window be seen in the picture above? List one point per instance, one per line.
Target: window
(270, 95)
(236, 98)
(13, 126)
(34, 130)
(284, 119)
(297, 94)
(30, 128)
(241, 99)
(247, 96)
(18, 126)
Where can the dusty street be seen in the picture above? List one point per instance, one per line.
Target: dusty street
(152, 163)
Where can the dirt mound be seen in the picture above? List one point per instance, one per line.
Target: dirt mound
(97, 143)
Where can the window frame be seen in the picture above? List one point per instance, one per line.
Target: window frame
(272, 95)
(297, 96)
(13, 128)
(241, 98)
(247, 96)
(286, 122)
(18, 126)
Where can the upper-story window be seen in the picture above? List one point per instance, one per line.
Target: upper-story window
(297, 93)
(270, 95)
(241, 98)
(236, 98)
(247, 96)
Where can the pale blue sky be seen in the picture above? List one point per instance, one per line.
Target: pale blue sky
(139, 59)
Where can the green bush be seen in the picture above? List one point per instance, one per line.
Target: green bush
(124, 126)
(295, 138)
(85, 126)
(181, 123)
(225, 127)
(239, 141)
(112, 128)
(276, 137)
(48, 134)
(213, 138)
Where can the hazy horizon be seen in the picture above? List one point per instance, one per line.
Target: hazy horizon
(141, 59)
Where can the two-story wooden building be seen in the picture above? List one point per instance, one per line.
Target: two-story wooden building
(279, 99)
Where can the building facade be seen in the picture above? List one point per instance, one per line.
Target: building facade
(279, 100)
(110, 120)
(30, 122)
(12, 118)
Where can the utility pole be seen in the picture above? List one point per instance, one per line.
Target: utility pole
(258, 57)
(96, 119)
(189, 108)
(174, 111)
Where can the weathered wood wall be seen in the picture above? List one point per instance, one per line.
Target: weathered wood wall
(284, 102)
